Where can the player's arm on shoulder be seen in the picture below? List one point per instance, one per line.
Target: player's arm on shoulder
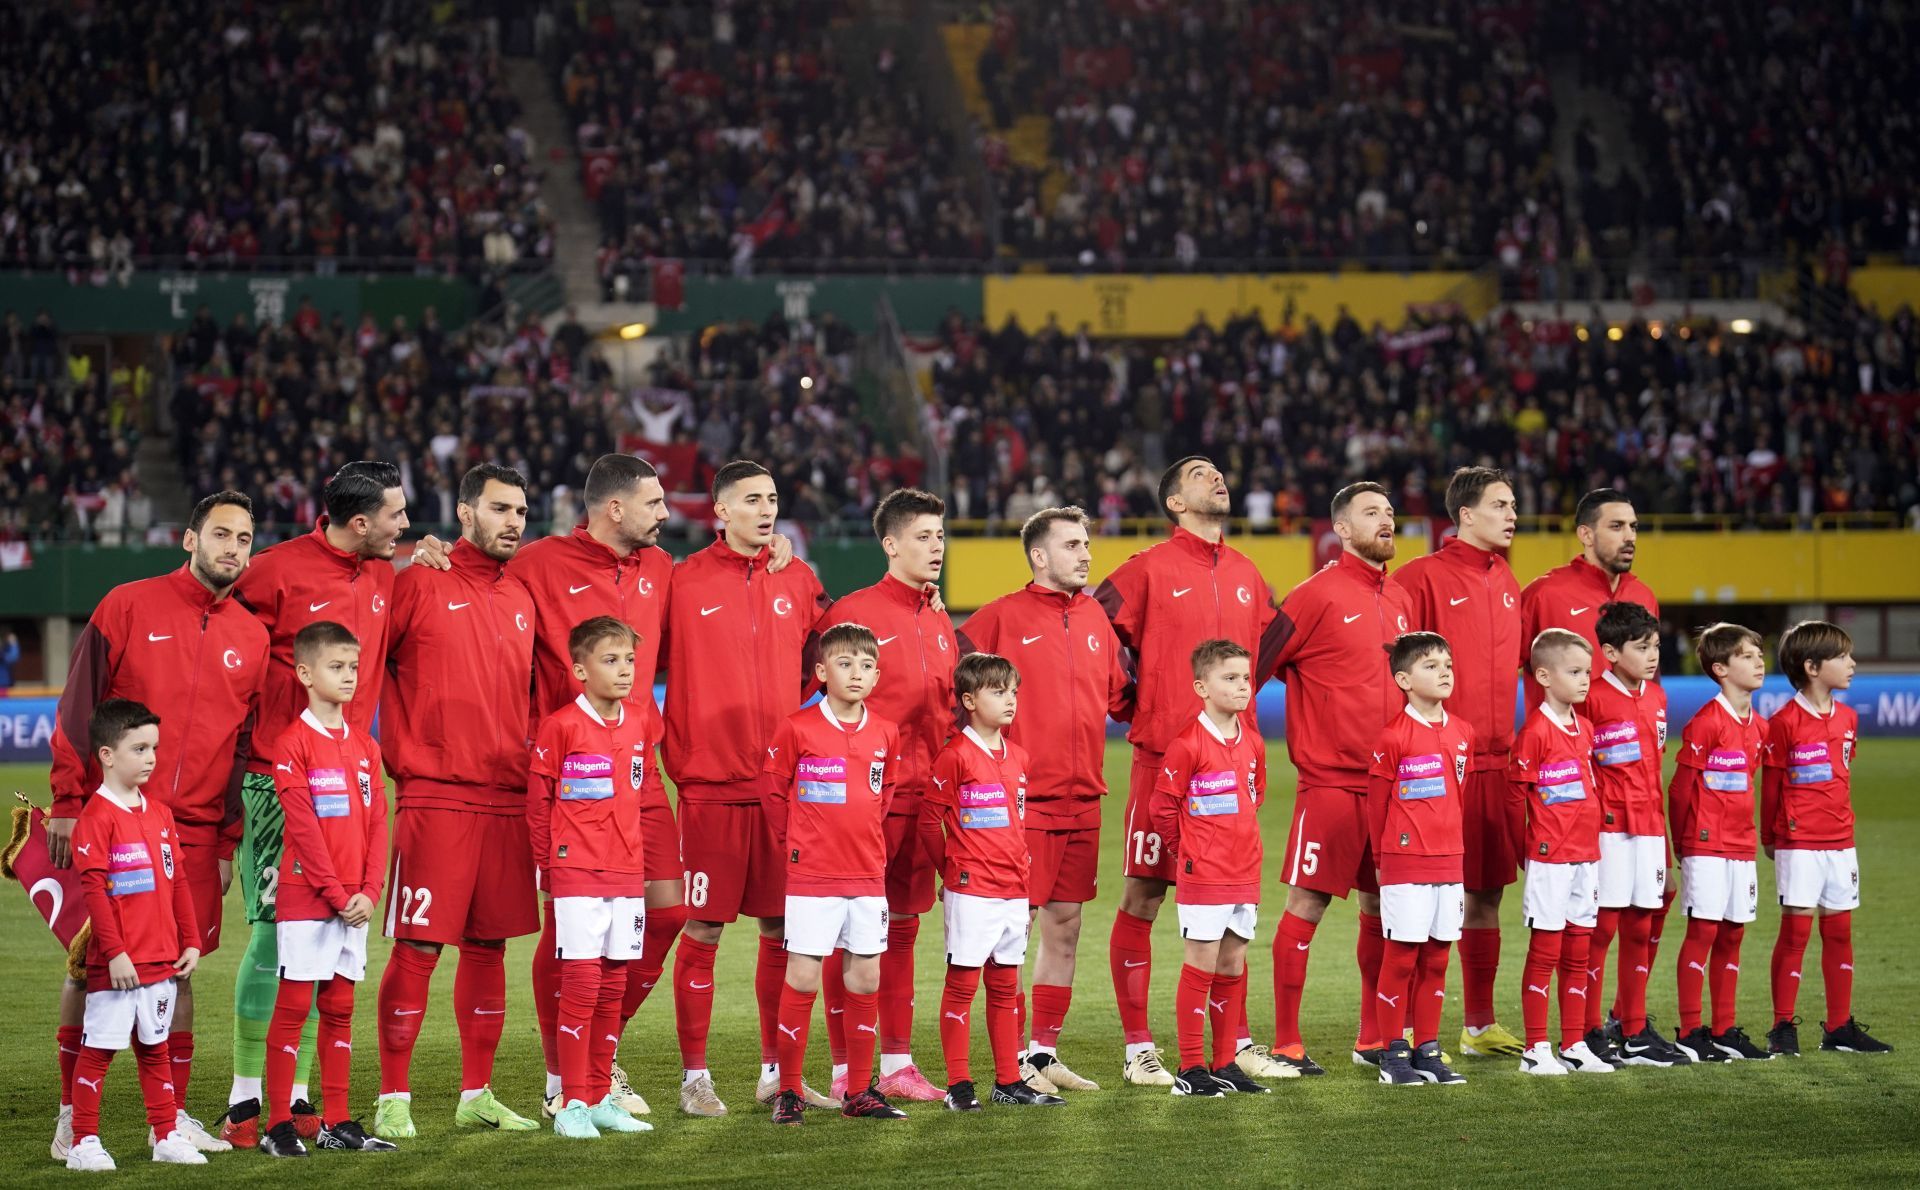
(1123, 596)
(1285, 634)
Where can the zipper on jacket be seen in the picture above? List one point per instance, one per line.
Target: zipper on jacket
(193, 691)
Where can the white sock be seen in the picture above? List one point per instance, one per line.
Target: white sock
(475, 1093)
(1036, 1048)
(299, 1093)
(1136, 1048)
(553, 1084)
(769, 1070)
(243, 1090)
(687, 1077)
(403, 1096)
(840, 1071)
(894, 1063)
(1245, 1042)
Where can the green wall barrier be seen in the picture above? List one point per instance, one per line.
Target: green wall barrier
(155, 303)
(919, 302)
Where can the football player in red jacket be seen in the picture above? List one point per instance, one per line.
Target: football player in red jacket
(1074, 677)
(1163, 602)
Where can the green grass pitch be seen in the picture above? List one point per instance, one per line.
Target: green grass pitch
(1823, 1120)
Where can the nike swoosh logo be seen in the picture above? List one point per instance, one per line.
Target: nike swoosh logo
(1576, 611)
(157, 639)
(887, 640)
(1130, 963)
(489, 1012)
(1459, 601)
(1181, 591)
(314, 607)
(700, 987)
(707, 611)
(577, 590)
(1027, 640)
(258, 967)
(1350, 619)
(454, 607)
(1301, 945)
(408, 1011)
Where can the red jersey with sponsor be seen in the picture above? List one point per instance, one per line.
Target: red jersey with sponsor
(1165, 600)
(585, 787)
(1711, 799)
(1806, 798)
(736, 652)
(1206, 801)
(128, 860)
(455, 710)
(1469, 596)
(1329, 645)
(335, 804)
(302, 582)
(826, 788)
(576, 578)
(198, 662)
(1571, 597)
(979, 794)
(917, 657)
(1414, 809)
(1552, 765)
(1629, 742)
(1072, 678)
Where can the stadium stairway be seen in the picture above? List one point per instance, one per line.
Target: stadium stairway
(576, 225)
(1030, 138)
(1576, 103)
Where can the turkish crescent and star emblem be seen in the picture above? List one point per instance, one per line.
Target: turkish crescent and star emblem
(646, 585)
(782, 606)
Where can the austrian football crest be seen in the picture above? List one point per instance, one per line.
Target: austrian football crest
(166, 859)
(1662, 728)
(1460, 767)
(1846, 754)
(876, 773)
(637, 771)
(366, 789)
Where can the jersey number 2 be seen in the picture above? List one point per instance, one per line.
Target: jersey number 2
(414, 903)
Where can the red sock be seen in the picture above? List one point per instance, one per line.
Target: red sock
(546, 989)
(156, 1087)
(68, 1048)
(693, 999)
(1479, 967)
(403, 1005)
(833, 989)
(1238, 1020)
(291, 1005)
(89, 1074)
(769, 976)
(1657, 925)
(1003, 1021)
(1696, 952)
(1391, 1002)
(579, 1001)
(896, 986)
(335, 1039)
(480, 1011)
(1789, 955)
(1227, 991)
(1430, 992)
(663, 926)
(1630, 1004)
(796, 1017)
(180, 1057)
(956, 1010)
(1723, 975)
(606, 1027)
(1291, 942)
(862, 1024)
(1574, 977)
(1836, 966)
(1130, 958)
(1536, 983)
(1050, 1003)
(1603, 931)
(1367, 951)
(1190, 1007)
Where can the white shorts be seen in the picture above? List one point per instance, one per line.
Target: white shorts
(1210, 923)
(315, 951)
(599, 927)
(1633, 871)
(982, 928)
(1560, 895)
(1807, 879)
(1716, 889)
(1422, 912)
(115, 1018)
(818, 926)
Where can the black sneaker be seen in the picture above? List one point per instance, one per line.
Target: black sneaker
(1428, 1064)
(1198, 1081)
(306, 1120)
(789, 1108)
(870, 1104)
(1235, 1079)
(1680, 1057)
(1699, 1046)
(282, 1141)
(1305, 1065)
(1784, 1038)
(960, 1096)
(1647, 1048)
(1604, 1047)
(1736, 1044)
(1852, 1038)
(1367, 1057)
(1396, 1066)
(1613, 1031)
(1019, 1094)
(348, 1134)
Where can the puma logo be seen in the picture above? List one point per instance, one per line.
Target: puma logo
(1794, 974)
(1843, 967)
(1734, 967)
(1536, 989)
(955, 1016)
(94, 1083)
(343, 1045)
(865, 1029)
(85, 849)
(1389, 1001)
(1217, 1005)
(1579, 991)
(1696, 967)
(574, 1031)
(290, 1049)
(793, 1033)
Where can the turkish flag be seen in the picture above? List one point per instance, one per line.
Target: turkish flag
(55, 892)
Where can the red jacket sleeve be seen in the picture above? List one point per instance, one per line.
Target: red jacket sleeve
(375, 873)
(1773, 780)
(1169, 790)
(1417, 592)
(303, 835)
(233, 821)
(934, 809)
(89, 677)
(1286, 633)
(1123, 596)
(90, 851)
(185, 922)
(1380, 779)
(541, 773)
(776, 780)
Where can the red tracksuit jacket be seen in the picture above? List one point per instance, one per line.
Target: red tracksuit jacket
(198, 663)
(336, 809)
(1072, 677)
(826, 788)
(575, 578)
(979, 796)
(917, 656)
(1629, 743)
(736, 663)
(1805, 798)
(1711, 799)
(1414, 807)
(301, 582)
(127, 861)
(1165, 600)
(584, 792)
(1571, 597)
(455, 714)
(1206, 800)
(1469, 596)
(1329, 645)
(1552, 766)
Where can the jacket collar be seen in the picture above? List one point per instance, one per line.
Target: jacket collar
(1361, 571)
(347, 563)
(1059, 598)
(471, 561)
(1596, 577)
(900, 593)
(1196, 545)
(1470, 556)
(599, 551)
(726, 555)
(192, 593)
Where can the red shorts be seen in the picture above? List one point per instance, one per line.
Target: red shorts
(1494, 828)
(1065, 865)
(458, 875)
(731, 862)
(909, 871)
(1143, 855)
(1328, 850)
(660, 835)
(200, 867)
